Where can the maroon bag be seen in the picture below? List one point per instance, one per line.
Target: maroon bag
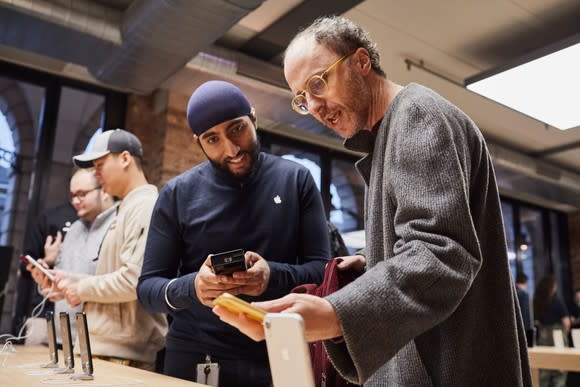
(324, 373)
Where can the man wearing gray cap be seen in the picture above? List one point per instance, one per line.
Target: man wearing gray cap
(239, 199)
(121, 330)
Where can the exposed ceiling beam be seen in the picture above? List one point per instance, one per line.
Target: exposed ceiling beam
(272, 41)
(554, 150)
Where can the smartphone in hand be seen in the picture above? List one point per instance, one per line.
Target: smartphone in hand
(228, 262)
(288, 351)
(237, 305)
(28, 259)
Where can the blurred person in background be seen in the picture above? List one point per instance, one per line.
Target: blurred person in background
(51, 225)
(121, 330)
(524, 301)
(78, 253)
(550, 314)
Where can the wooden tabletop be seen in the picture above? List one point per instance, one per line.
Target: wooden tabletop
(567, 359)
(22, 369)
(552, 358)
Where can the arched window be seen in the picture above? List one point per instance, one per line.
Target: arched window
(7, 158)
(6, 144)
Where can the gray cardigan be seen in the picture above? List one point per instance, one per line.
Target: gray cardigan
(437, 306)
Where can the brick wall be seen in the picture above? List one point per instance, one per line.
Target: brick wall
(574, 238)
(181, 152)
(159, 121)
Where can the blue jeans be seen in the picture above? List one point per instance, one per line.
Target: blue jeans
(233, 372)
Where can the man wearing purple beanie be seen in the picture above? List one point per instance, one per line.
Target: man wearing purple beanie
(239, 199)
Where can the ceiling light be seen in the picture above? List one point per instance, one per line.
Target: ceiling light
(544, 85)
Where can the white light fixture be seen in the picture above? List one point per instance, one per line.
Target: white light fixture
(544, 85)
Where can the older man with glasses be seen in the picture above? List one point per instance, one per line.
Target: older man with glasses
(436, 305)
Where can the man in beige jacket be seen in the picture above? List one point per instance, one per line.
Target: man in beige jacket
(120, 329)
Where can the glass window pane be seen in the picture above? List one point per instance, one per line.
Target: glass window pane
(79, 115)
(559, 256)
(347, 197)
(308, 159)
(531, 243)
(507, 210)
(20, 106)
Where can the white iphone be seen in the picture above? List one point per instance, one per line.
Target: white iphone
(44, 270)
(288, 350)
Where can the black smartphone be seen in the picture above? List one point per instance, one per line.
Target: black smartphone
(67, 346)
(52, 348)
(85, 346)
(228, 262)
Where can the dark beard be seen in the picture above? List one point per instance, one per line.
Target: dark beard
(253, 152)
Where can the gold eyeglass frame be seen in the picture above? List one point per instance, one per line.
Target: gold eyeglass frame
(320, 77)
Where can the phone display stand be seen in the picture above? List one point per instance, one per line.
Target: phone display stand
(85, 347)
(67, 349)
(53, 351)
(81, 377)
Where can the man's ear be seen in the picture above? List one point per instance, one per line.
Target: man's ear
(363, 60)
(196, 139)
(253, 117)
(126, 158)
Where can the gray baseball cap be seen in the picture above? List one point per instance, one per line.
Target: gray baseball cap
(110, 141)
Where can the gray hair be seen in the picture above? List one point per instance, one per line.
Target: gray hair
(343, 37)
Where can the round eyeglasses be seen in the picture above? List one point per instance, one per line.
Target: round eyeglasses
(80, 195)
(316, 85)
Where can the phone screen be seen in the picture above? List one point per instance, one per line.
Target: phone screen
(67, 349)
(28, 259)
(52, 348)
(85, 343)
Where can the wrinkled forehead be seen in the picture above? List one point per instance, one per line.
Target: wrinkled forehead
(304, 58)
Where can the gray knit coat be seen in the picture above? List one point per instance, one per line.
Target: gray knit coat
(437, 305)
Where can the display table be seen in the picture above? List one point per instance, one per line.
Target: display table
(21, 369)
(552, 358)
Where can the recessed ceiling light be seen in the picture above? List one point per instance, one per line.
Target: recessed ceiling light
(545, 85)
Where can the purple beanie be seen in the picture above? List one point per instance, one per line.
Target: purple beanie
(213, 103)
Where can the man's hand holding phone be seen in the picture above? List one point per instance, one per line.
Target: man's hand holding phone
(320, 318)
(254, 280)
(39, 271)
(237, 305)
(208, 285)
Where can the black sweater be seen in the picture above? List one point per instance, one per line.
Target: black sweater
(277, 212)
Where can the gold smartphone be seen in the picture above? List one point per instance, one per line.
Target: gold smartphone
(237, 305)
